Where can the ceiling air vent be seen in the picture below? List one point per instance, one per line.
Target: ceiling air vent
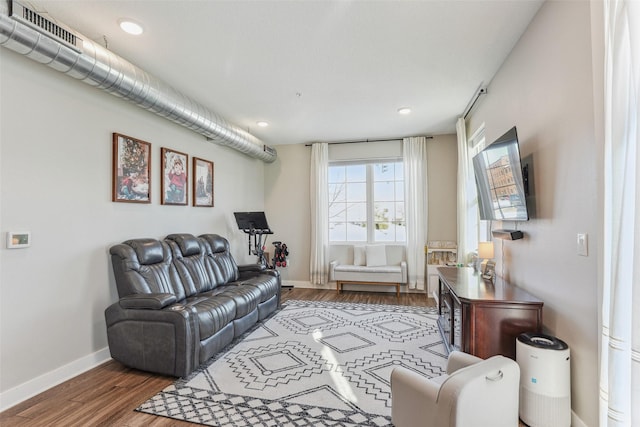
(27, 15)
(271, 151)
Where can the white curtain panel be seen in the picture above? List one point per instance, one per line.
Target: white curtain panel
(318, 264)
(463, 177)
(414, 152)
(620, 350)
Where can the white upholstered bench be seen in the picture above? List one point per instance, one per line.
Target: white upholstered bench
(369, 268)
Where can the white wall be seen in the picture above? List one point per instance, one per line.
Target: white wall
(442, 167)
(55, 178)
(546, 89)
(287, 195)
(286, 188)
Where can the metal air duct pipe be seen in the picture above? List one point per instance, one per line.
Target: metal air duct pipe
(36, 35)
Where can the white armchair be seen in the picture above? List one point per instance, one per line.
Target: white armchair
(473, 393)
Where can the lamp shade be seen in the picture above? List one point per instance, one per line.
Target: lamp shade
(485, 250)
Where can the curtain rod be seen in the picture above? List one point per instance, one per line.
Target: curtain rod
(365, 140)
(482, 90)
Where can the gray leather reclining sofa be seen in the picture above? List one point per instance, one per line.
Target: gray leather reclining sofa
(182, 300)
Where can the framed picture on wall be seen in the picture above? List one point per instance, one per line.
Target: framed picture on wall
(174, 177)
(202, 182)
(131, 181)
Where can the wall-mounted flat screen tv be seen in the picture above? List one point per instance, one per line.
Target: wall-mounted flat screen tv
(500, 180)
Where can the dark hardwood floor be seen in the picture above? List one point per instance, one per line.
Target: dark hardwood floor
(107, 395)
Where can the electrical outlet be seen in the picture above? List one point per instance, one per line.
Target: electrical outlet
(582, 244)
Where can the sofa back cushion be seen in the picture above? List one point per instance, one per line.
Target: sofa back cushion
(218, 256)
(189, 258)
(144, 266)
(346, 254)
(359, 255)
(376, 255)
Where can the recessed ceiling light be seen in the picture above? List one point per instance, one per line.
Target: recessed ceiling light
(404, 110)
(130, 27)
(262, 124)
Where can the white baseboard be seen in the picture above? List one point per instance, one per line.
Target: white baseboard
(304, 284)
(44, 382)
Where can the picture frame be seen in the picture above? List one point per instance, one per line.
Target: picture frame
(489, 270)
(202, 182)
(131, 174)
(175, 177)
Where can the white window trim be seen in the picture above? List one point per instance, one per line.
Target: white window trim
(477, 143)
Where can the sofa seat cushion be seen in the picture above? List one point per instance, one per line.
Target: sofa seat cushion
(213, 313)
(246, 298)
(383, 273)
(267, 285)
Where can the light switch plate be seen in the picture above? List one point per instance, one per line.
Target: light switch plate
(582, 244)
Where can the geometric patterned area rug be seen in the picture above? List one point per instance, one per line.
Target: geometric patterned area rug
(310, 364)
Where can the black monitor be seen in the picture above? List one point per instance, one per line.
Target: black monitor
(248, 221)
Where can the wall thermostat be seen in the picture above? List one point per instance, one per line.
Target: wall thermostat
(18, 239)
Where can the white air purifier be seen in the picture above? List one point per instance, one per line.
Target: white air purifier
(545, 380)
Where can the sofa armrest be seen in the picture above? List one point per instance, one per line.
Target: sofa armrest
(413, 397)
(458, 360)
(163, 341)
(247, 271)
(253, 268)
(332, 269)
(403, 269)
(147, 301)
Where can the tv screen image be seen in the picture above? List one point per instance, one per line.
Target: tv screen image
(499, 180)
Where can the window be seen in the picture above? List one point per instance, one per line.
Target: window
(478, 230)
(366, 202)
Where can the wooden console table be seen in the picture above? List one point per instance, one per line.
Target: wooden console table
(484, 318)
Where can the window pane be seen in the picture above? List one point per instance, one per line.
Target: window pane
(357, 192)
(401, 232)
(337, 174)
(399, 214)
(356, 232)
(399, 190)
(357, 212)
(399, 171)
(337, 193)
(337, 232)
(337, 212)
(384, 232)
(383, 172)
(383, 211)
(357, 173)
(383, 191)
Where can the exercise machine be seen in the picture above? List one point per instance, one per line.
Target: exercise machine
(255, 225)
